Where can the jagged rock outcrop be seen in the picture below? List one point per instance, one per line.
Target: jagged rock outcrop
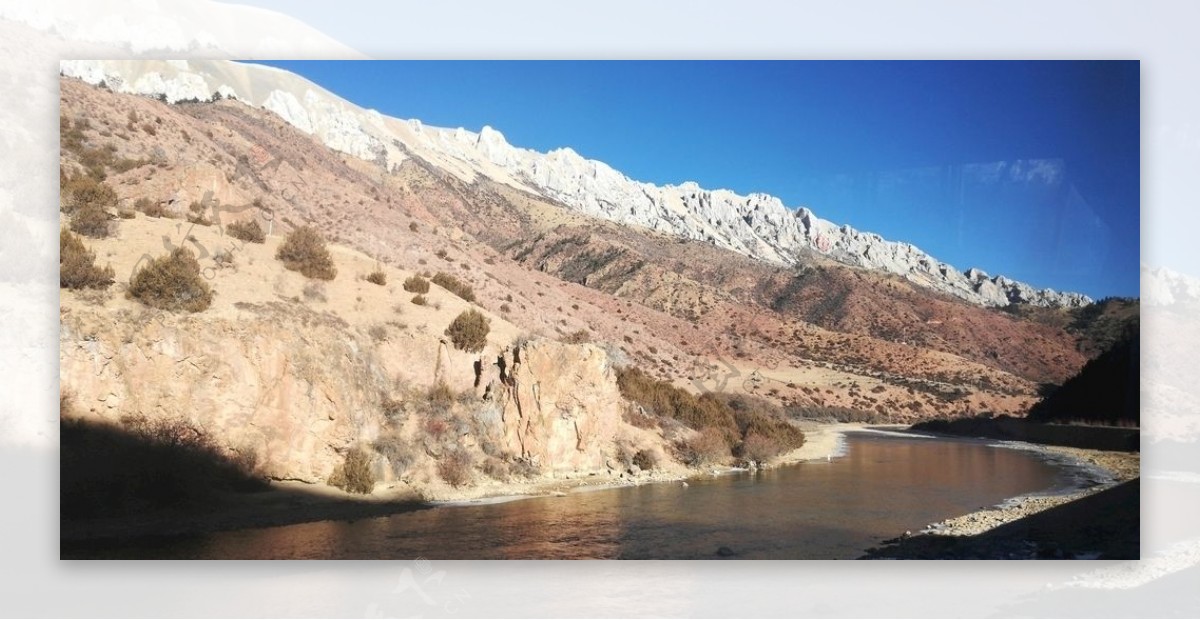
(757, 225)
(559, 406)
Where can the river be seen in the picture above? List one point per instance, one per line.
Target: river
(835, 509)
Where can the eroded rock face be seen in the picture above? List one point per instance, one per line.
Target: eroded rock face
(559, 404)
(295, 396)
(297, 388)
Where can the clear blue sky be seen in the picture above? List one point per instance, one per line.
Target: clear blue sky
(922, 152)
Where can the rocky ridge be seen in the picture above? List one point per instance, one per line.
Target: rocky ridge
(757, 225)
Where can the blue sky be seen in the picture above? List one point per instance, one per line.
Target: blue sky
(1027, 169)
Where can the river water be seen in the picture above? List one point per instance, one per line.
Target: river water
(836, 509)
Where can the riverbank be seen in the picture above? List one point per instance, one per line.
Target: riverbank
(289, 502)
(1087, 519)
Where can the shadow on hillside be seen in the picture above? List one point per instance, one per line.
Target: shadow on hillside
(159, 479)
(1106, 525)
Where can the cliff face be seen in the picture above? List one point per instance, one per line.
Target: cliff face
(295, 389)
(559, 404)
(290, 388)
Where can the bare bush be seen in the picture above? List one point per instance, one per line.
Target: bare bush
(708, 446)
(77, 264)
(304, 250)
(246, 230)
(416, 284)
(400, 454)
(454, 285)
(469, 331)
(377, 277)
(354, 475)
(172, 282)
(455, 467)
(91, 221)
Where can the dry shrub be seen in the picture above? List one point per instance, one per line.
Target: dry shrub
(377, 277)
(646, 460)
(663, 399)
(469, 331)
(420, 300)
(495, 469)
(378, 333)
(579, 337)
(706, 447)
(416, 284)
(413, 226)
(304, 250)
(436, 428)
(354, 475)
(760, 449)
(172, 282)
(77, 264)
(149, 207)
(454, 285)
(399, 453)
(246, 230)
(455, 467)
(440, 395)
(91, 221)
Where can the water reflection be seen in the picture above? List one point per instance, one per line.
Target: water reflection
(820, 510)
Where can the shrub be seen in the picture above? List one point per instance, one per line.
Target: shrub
(645, 460)
(91, 221)
(172, 282)
(416, 284)
(420, 300)
(708, 446)
(663, 399)
(378, 333)
(149, 207)
(495, 469)
(412, 226)
(377, 277)
(469, 331)
(304, 250)
(454, 285)
(246, 230)
(578, 337)
(440, 395)
(354, 475)
(455, 467)
(760, 449)
(77, 265)
(399, 453)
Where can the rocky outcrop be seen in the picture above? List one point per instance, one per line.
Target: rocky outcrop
(293, 389)
(559, 406)
(756, 225)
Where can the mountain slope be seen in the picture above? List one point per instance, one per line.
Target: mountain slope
(758, 225)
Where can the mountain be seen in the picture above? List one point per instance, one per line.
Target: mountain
(759, 226)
